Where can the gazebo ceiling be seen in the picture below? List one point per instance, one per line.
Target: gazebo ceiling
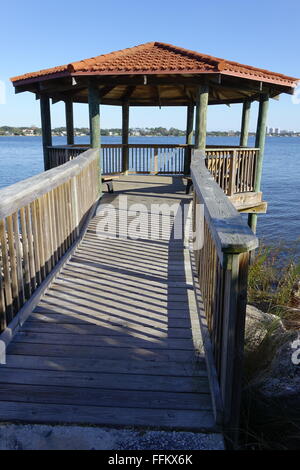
(155, 74)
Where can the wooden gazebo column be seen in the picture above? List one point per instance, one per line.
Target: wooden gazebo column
(46, 128)
(259, 143)
(189, 138)
(69, 121)
(201, 117)
(245, 124)
(94, 115)
(125, 134)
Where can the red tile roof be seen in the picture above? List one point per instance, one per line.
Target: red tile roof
(158, 58)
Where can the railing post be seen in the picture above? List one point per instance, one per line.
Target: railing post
(125, 132)
(235, 272)
(232, 175)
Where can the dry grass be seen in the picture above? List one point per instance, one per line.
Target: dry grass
(269, 423)
(271, 280)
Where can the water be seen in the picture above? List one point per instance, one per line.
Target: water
(21, 157)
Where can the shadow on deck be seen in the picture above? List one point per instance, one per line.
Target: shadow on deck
(116, 339)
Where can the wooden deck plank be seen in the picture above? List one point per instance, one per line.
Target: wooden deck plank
(69, 315)
(124, 329)
(114, 340)
(106, 397)
(79, 364)
(144, 341)
(105, 416)
(105, 352)
(113, 381)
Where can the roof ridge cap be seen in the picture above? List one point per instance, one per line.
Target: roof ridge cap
(191, 53)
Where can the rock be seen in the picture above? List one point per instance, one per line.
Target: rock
(282, 378)
(258, 325)
(273, 353)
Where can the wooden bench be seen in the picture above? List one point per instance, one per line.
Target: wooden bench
(108, 180)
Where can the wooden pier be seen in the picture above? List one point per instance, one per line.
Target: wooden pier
(115, 340)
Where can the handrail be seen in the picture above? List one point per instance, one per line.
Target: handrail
(40, 220)
(140, 158)
(229, 230)
(220, 266)
(80, 146)
(24, 192)
(234, 169)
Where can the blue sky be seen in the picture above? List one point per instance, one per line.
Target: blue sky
(36, 35)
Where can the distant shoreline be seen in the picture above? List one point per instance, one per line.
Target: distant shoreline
(155, 135)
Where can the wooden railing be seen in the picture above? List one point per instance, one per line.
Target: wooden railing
(221, 266)
(62, 154)
(40, 219)
(142, 158)
(234, 169)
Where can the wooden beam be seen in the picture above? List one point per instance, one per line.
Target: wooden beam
(125, 132)
(69, 121)
(105, 90)
(245, 124)
(201, 116)
(128, 92)
(158, 96)
(257, 209)
(46, 129)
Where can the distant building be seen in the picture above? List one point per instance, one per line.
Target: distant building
(28, 132)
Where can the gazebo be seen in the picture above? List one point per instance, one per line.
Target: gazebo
(158, 74)
(155, 324)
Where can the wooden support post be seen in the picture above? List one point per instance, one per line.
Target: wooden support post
(125, 132)
(259, 143)
(69, 121)
(245, 124)
(201, 117)
(46, 128)
(189, 138)
(235, 268)
(94, 114)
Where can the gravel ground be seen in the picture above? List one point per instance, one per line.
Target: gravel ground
(44, 437)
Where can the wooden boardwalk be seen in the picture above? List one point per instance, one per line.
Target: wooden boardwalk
(115, 340)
